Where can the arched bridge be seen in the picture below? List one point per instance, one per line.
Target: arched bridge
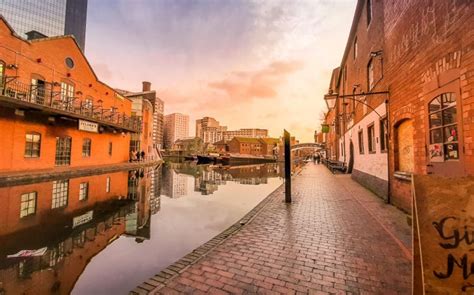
(306, 146)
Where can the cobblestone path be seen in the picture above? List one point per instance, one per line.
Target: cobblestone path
(336, 238)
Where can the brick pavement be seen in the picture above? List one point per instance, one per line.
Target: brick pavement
(334, 239)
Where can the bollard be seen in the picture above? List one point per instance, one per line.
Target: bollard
(287, 167)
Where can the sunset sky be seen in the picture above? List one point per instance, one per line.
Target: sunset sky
(262, 64)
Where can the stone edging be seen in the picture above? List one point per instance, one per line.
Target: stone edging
(163, 277)
(32, 177)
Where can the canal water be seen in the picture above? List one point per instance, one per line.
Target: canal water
(105, 234)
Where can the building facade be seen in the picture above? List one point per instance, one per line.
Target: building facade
(49, 17)
(176, 127)
(247, 132)
(209, 130)
(409, 66)
(64, 117)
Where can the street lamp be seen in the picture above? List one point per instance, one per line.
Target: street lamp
(331, 100)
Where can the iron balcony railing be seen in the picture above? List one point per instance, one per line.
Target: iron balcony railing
(46, 97)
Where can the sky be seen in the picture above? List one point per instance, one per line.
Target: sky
(249, 64)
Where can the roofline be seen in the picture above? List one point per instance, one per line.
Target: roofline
(13, 32)
(352, 32)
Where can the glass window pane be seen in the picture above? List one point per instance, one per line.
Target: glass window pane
(451, 133)
(436, 136)
(435, 120)
(451, 151)
(449, 100)
(435, 105)
(449, 116)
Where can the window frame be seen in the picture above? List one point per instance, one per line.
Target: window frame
(370, 74)
(355, 49)
(60, 159)
(442, 125)
(83, 191)
(2, 73)
(28, 153)
(371, 144)
(360, 138)
(86, 149)
(107, 184)
(369, 12)
(60, 194)
(28, 201)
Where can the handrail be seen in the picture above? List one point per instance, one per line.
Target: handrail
(46, 96)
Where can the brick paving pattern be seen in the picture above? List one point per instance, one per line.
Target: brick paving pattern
(331, 240)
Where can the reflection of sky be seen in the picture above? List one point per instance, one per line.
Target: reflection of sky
(180, 226)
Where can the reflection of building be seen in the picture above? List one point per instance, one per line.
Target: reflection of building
(72, 233)
(174, 185)
(176, 127)
(48, 18)
(63, 117)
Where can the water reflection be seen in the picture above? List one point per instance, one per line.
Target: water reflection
(86, 224)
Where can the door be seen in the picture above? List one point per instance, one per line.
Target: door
(351, 158)
(405, 147)
(38, 91)
(63, 151)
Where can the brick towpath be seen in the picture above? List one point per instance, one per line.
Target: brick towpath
(336, 238)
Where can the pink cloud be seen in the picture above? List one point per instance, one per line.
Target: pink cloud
(264, 83)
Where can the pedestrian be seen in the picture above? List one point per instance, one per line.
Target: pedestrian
(132, 156)
(318, 158)
(142, 154)
(137, 155)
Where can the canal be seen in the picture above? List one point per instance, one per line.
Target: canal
(105, 234)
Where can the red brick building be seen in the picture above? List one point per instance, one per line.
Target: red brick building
(245, 146)
(421, 54)
(54, 111)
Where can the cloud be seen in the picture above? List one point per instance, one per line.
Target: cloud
(264, 83)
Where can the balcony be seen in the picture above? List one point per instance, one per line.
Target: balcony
(43, 98)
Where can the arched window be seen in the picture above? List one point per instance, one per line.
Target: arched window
(444, 145)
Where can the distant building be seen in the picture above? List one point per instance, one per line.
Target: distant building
(209, 130)
(47, 17)
(156, 124)
(176, 127)
(191, 145)
(248, 132)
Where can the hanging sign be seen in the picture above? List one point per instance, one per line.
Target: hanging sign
(88, 126)
(324, 128)
(443, 239)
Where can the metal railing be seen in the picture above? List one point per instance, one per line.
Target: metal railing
(46, 96)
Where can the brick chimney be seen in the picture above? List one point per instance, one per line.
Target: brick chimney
(146, 86)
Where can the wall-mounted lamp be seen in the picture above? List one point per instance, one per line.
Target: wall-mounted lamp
(12, 67)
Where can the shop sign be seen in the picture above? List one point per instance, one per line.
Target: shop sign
(443, 230)
(82, 219)
(88, 126)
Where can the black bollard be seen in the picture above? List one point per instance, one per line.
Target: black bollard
(287, 167)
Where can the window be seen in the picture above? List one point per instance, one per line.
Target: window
(83, 191)
(63, 151)
(69, 62)
(32, 145)
(107, 185)
(38, 90)
(383, 134)
(110, 148)
(60, 193)
(67, 94)
(361, 141)
(355, 48)
(28, 204)
(444, 143)
(370, 74)
(86, 147)
(371, 138)
(369, 11)
(2, 73)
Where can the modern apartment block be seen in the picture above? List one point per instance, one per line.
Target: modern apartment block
(176, 127)
(247, 132)
(47, 18)
(209, 130)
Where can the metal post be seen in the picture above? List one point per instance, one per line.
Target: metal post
(287, 151)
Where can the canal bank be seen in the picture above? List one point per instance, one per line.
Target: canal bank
(330, 239)
(31, 176)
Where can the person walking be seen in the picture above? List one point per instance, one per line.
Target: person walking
(142, 154)
(318, 158)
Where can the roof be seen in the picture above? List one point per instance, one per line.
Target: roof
(269, 140)
(246, 139)
(222, 141)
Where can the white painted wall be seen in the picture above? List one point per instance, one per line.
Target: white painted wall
(373, 164)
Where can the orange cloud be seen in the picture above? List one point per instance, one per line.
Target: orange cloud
(264, 83)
